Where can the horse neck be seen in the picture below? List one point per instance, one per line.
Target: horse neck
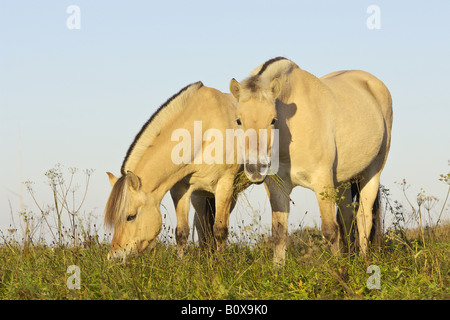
(158, 174)
(300, 82)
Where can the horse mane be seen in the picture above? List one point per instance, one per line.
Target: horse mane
(117, 204)
(152, 128)
(258, 82)
(274, 68)
(264, 66)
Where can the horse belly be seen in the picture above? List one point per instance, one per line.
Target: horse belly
(357, 147)
(359, 121)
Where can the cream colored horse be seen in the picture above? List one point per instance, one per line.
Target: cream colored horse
(331, 130)
(149, 172)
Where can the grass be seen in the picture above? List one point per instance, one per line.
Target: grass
(409, 270)
(413, 262)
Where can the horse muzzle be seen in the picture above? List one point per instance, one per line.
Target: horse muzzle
(256, 173)
(121, 254)
(129, 251)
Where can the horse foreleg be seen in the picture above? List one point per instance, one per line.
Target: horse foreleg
(224, 194)
(279, 201)
(181, 196)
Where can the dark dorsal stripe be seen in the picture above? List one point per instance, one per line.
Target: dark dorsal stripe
(268, 63)
(144, 127)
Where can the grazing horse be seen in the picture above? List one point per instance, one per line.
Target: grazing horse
(157, 162)
(331, 130)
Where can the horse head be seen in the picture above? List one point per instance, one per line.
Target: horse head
(133, 215)
(256, 116)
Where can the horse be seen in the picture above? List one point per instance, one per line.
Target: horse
(162, 157)
(332, 130)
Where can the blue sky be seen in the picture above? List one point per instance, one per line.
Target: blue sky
(80, 96)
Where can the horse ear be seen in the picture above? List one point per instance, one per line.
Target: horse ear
(235, 88)
(133, 181)
(112, 178)
(275, 87)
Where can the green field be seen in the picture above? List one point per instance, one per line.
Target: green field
(409, 269)
(410, 263)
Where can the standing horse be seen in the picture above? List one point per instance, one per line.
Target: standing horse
(152, 167)
(331, 130)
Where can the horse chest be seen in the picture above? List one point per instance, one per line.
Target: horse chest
(301, 178)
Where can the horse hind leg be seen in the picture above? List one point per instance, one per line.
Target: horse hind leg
(330, 227)
(324, 190)
(205, 212)
(364, 216)
(377, 228)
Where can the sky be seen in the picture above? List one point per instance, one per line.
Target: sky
(76, 89)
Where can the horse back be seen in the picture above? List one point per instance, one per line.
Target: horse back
(350, 82)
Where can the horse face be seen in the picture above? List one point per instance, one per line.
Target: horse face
(257, 129)
(140, 222)
(257, 117)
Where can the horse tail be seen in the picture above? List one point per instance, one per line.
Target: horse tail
(355, 191)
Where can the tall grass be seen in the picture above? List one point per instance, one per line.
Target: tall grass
(413, 262)
(61, 219)
(408, 271)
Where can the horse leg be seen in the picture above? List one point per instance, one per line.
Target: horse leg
(181, 198)
(279, 201)
(224, 198)
(205, 211)
(327, 206)
(345, 217)
(369, 192)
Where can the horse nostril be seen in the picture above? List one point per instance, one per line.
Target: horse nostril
(264, 168)
(251, 168)
(259, 168)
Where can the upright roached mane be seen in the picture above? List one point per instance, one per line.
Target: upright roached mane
(119, 198)
(260, 77)
(272, 70)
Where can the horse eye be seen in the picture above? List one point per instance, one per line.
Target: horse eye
(273, 121)
(238, 121)
(131, 217)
